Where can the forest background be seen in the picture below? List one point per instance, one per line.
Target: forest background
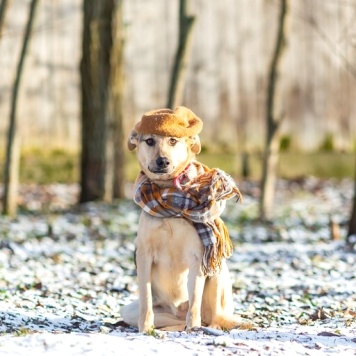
(226, 82)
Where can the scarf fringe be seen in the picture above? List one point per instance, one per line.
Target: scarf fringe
(221, 249)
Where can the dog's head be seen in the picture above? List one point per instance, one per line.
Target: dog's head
(166, 142)
(163, 157)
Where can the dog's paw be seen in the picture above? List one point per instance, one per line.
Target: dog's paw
(146, 322)
(245, 325)
(226, 323)
(146, 327)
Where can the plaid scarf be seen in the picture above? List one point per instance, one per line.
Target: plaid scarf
(200, 200)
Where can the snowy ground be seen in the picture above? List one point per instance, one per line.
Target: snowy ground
(64, 277)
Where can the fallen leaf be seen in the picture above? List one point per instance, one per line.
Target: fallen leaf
(327, 333)
(319, 315)
(352, 313)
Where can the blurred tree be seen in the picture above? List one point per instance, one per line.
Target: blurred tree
(334, 48)
(351, 235)
(102, 83)
(273, 119)
(11, 169)
(3, 12)
(118, 83)
(176, 86)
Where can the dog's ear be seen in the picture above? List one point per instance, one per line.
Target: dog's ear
(132, 141)
(195, 144)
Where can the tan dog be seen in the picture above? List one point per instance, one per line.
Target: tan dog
(174, 293)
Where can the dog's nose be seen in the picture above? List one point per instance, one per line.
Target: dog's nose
(162, 162)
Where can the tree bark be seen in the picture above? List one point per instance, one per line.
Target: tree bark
(177, 81)
(4, 6)
(271, 154)
(94, 81)
(101, 118)
(351, 234)
(11, 169)
(118, 85)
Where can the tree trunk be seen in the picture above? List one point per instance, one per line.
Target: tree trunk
(351, 235)
(100, 119)
(118, 87)
(245, 165)
(176, 87)
(271, 155)
(3, 12)
(11, 169)
(11, 174)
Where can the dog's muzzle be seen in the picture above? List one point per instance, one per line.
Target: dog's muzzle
(163, 165)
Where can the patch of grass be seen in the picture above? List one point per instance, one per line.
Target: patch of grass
(328, 143)
(228, 162)
(318, 164)
(23, 332)
(291, 164)
(152, 332)
(43, 166)
(48, 166)
(285, 143)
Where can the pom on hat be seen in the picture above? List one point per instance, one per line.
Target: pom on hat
(180, 122)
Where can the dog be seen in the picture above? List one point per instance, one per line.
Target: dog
(174, 292)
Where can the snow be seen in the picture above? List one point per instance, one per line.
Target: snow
(275, 341)
(65, 275)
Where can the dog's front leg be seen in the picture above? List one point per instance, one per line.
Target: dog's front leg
(196, 282)
(146, 317)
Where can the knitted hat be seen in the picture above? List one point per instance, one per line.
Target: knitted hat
(180, 122)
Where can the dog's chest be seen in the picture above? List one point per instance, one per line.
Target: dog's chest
(171, 241)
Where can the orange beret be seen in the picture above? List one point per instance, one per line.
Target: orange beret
(180, 122)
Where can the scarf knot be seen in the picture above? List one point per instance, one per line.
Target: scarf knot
(200, 200)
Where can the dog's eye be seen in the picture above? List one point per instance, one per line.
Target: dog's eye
(150, 141)
(172, 141)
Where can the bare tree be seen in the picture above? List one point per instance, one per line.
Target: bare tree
(118, 87)
(273, 119)
(350, 68)
(4, 6)
(11, 170)
(177, 81)
(101, 95)
(351, 234)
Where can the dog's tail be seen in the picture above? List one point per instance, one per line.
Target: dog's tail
(228, 322)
